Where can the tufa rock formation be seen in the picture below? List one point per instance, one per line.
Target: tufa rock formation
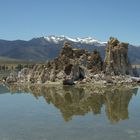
(116, 60)
(78, 65)
(71, 65)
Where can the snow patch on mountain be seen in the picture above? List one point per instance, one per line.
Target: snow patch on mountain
(62, 38)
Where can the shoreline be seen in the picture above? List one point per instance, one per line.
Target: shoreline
(99, 84)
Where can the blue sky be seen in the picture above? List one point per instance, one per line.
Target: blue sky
(25, 19)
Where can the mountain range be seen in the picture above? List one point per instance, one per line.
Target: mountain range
(47, 48)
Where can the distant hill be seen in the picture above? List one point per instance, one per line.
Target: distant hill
(46, 48)
(5, 59)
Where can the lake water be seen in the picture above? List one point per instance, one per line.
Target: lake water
(69, 113)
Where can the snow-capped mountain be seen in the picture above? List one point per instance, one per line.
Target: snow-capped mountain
(62, 38)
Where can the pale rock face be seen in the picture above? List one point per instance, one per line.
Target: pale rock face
(60, 75)
(52, 75)
(24, 75)
(12, 78)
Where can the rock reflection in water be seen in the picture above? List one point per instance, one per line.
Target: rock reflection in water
(72, 100)
(116, 104)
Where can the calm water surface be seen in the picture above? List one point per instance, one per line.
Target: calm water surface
(69, 113)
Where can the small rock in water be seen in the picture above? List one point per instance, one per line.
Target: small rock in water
(68, 82)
